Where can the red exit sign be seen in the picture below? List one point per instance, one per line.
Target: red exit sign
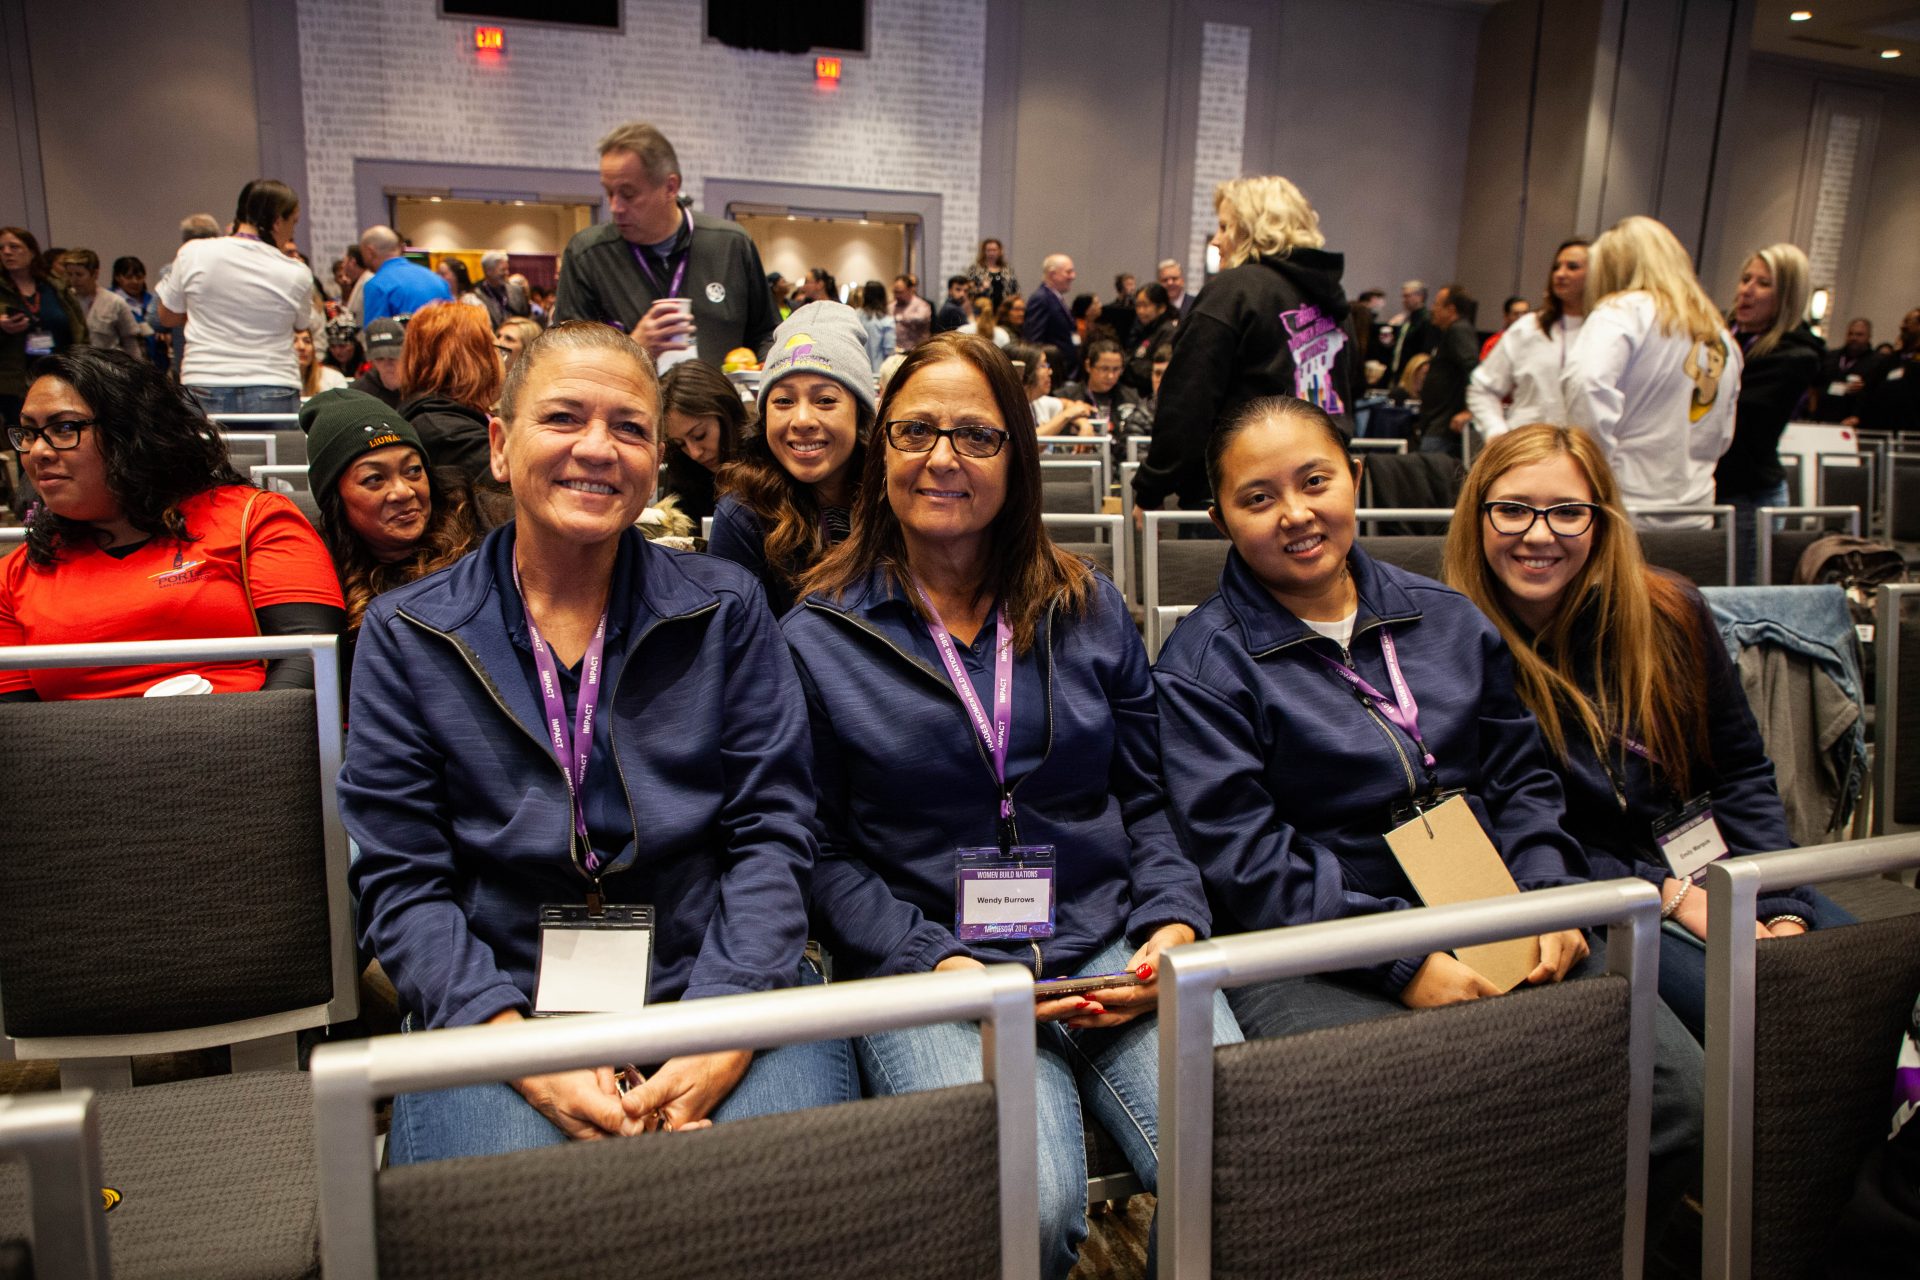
(490, 39)
(826, 70)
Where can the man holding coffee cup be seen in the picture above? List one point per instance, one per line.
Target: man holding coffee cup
(680, 282)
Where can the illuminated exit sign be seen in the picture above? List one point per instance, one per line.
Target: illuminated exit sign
(490, 39)
(826, 70)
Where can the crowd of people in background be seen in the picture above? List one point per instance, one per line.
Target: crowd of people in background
(480, 452)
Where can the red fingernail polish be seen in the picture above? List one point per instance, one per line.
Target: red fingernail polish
(1144, 972)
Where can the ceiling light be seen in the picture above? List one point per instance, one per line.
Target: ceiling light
(1800, 15)
(433, 199)
(1889, 53)
(519, 204)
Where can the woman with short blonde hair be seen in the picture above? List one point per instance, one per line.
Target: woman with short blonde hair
(1783, 361)
(1263, 217)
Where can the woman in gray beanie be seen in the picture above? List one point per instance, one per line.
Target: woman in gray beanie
(785, 499)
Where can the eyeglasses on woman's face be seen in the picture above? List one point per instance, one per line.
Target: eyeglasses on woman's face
(58, 435)
(910, 435)
(1565, 520)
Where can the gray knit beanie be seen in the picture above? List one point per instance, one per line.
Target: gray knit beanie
(826, 338)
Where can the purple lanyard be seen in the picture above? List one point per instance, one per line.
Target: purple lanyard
(572, 753)
(679, 274)
(1401, 708)
(993, 732)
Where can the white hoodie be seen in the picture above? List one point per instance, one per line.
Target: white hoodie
(1524, 365)
(1660, 404)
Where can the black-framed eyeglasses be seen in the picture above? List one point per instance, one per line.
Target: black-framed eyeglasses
(910, 435)
(58, 435)
(1565, 520)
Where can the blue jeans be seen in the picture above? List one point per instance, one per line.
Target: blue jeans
(1438, 439)
(1683, 964)
(493, 1119)
(1746, 516)
(1292, 1005)
(1114, 1072)
(218, 400)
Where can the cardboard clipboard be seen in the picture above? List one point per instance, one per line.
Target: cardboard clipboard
(1455, 862)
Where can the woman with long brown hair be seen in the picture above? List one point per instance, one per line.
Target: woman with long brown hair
(1625, 671)
(947, 600)
(450, 375)
(387, 517)
(1519, 380)
(784, 501)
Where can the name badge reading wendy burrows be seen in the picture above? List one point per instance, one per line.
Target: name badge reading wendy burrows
(1004, 897)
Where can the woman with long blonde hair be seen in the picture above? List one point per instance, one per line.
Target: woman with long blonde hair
(1783, 360)
(1624, 669)
(1654, 373)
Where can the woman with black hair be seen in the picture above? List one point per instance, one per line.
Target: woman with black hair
(38, 315)
(146, 532)
(786, 498)
(460, 280)
(1154, 323)
(240, 299)
(703, 421)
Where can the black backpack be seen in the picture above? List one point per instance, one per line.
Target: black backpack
(1860, 566)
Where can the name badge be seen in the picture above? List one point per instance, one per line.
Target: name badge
(593, 964)
(1447, 857)
(1896, 374)
(1839, 389)
(1690, 839)
(39, 342)
(1006, 897)
(674, 356)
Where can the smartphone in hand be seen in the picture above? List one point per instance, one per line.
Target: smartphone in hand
(1054, 988)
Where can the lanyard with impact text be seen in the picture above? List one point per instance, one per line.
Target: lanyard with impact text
(572, 752)
(672, 289)
(996, 731)
(1401, 708)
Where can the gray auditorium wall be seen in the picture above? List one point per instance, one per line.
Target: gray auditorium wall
(1775, 184)
(1368, 114)
(145, 113)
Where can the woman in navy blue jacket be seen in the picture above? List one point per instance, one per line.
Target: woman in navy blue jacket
(1634, 692)
(785, 498)
(987, 759)
(1290, 752)
(687, 752)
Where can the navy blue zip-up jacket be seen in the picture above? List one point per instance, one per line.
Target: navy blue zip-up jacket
(699, 780)
(904, 783)
(1284, 783)
(1737, 776)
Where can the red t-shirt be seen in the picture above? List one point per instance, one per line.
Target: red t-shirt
(165, 590)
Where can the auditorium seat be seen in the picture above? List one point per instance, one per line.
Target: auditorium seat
(1785, 533)
(1419, 1144)
(1896, 748)
(50, 1158)
(1801, 1038)
(936, 1184)
(177, 882)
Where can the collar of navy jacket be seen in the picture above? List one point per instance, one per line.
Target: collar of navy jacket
(1265, 628)
(465, 603)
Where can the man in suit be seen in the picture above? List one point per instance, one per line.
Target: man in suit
(1443, 398)
(1173, 278)
(1049, 323)
(502, 295)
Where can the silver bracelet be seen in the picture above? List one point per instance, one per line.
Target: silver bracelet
(1799, 920)
(1673, 903)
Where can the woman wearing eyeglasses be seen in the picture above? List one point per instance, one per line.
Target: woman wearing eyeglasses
(1625, 671)
(785, 498)
(1323, 701)
(146, 532)
(986, 754)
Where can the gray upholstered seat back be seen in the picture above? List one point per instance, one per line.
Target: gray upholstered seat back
(904, 1186)
(1413, 1145)
(1788, 546)
(1414, 552)
(1100, 553)
(161, 863)
(1698, 554)
(1828, 1012)
(1190, 568)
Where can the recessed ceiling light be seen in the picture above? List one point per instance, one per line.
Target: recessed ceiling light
(519, 204)
(433, 199)
(1800, 15)
(1889, 53)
